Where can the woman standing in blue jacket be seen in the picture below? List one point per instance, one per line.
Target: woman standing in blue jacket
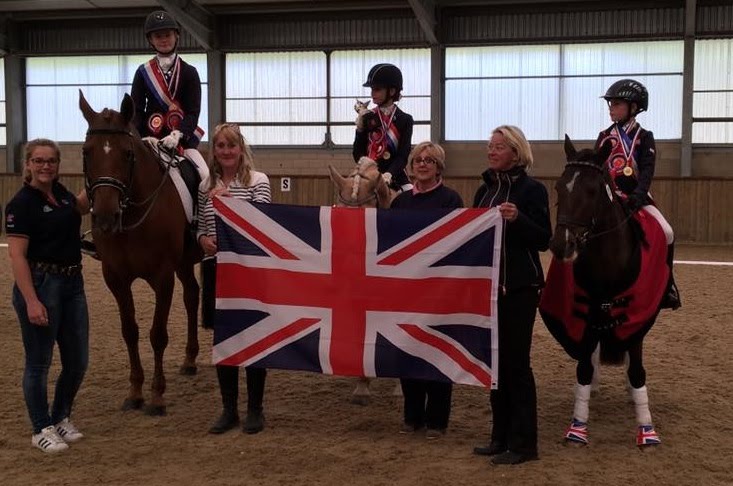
(523, 204)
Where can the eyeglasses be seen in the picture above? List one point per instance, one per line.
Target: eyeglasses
(40, 161)
(222, 126)
(424, 161)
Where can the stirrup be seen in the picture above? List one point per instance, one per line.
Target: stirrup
(88, 247)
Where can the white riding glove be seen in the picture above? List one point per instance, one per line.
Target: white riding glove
(387, 176)
(171, 141)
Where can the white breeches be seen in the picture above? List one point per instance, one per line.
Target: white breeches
(195, 156)
(668, 232)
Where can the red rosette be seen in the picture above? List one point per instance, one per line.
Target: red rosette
(155, 124)
(173, 119)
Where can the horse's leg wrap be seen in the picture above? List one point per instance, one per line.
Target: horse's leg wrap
(645, 433)
(578, 429)
(582, 399)
(641, 405)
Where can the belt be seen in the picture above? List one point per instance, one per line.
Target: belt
(56, 269)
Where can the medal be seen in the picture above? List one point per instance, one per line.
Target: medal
(628, 171)
(155, 123)
(386, 155)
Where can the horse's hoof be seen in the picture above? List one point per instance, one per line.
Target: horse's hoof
(132, 404)
(360, 400)
(188, 370)
(155, 410)
(574, 444)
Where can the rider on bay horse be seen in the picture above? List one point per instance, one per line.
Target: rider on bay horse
(632, 160)
(384, 134)
(167, 93)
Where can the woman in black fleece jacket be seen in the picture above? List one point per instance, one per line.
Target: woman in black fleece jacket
(523, 203)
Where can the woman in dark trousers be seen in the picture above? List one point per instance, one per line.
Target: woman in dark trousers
(427, 403)
(233, 175)
(42, 222)
(523, 204)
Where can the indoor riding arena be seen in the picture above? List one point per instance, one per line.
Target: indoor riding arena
(288, 73)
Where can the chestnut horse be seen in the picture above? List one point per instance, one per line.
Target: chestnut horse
(364, 187)
(140, 229)
(600, 241)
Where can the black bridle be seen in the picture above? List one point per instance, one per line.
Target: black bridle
(589, 227)
(123, 188)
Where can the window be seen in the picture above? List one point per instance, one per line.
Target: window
(3, 134)
(349, 70)
(283, 98)
(279, 97)
(713, 91)
(551, 90)
(53, 85)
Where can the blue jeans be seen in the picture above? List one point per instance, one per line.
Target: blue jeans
(68, 325)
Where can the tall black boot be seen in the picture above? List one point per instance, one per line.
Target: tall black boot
(208, 292)
(255, 420)
(228, 384)
(671, 299)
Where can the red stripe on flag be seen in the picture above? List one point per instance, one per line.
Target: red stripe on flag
(431, 238)
(263, 239)
(271, 340)
(450, 350)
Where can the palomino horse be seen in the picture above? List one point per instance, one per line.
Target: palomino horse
(363, 188)
(593, 294)
(140, 229)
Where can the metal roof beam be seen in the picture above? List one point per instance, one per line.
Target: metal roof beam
(425, 12)
(195, 19)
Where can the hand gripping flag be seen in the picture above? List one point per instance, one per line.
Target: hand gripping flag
(358, 292)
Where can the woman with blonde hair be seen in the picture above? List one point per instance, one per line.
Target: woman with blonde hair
(232, 174)
(523, 204)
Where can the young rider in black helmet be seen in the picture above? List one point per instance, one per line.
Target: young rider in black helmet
(167, 92)
(386, 137)
(633, 158)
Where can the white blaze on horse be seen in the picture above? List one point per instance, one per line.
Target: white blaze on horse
(605, 284)
(364, 187)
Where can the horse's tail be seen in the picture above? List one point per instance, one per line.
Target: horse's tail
(611, 352)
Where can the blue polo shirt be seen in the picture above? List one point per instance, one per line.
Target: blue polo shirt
(52, 228)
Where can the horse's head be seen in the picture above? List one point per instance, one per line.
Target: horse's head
(363, 188)
(582, 193)
(109, 160)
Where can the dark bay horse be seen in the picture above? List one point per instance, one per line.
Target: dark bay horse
(597, 258)
(364, 187)
(141, 231)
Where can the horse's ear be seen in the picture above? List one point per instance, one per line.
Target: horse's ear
(570, 152)
(604, 151)
(127, 108)
(86, 110)
(337, 178)
(384, 195)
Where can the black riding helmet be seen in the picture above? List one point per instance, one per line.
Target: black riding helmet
(160, 20)
(384, 76)
(631, 91)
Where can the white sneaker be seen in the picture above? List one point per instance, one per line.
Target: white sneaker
(67, 431)
(49, 441)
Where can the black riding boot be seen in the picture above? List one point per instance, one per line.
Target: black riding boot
(228, 384)
(255, 420)
(671, 299)
(208, 292)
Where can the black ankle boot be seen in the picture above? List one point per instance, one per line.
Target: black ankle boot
(227, 421)
(671, 299)
(254, 423)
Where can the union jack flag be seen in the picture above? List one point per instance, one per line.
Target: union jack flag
(358, 292)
